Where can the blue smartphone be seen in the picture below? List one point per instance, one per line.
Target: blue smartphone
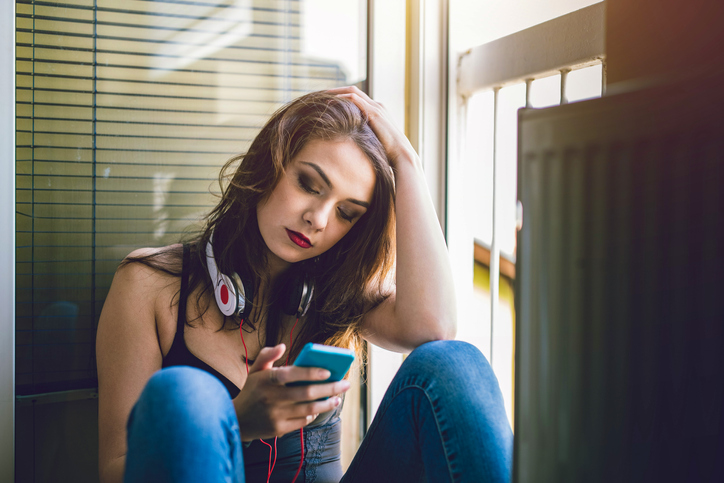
(335, 359)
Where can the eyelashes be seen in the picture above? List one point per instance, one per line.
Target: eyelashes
(305, 184)
(345, 215)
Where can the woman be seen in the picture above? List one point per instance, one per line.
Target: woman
(328, 192)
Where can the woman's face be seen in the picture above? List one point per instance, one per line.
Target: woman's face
(324, 191)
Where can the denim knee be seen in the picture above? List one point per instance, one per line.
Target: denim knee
(186, 394)
(450, 360)
(184, 428)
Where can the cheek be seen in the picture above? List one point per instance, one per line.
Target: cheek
(287, 196)
(275, 205)
(263, 212)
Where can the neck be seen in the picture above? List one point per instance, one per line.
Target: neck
(275, 267)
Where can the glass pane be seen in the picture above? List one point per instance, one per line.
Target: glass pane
(509, 101)
(124, 117)
(584, 83)
(546, 92)
(479, 162)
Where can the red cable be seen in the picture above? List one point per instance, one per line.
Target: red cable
(301, 440)
(275, 456)
(270, 466)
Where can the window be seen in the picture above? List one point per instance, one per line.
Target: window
(124, 117)
(125, 113)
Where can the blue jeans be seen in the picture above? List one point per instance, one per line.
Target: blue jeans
(442, 419)
(184, 429)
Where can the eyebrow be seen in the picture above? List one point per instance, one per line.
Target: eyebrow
(324, 177)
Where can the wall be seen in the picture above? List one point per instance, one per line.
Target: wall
(58, 442)
(672, 38)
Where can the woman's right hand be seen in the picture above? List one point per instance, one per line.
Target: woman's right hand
(266, 407)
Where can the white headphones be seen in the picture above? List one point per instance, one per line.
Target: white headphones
(234, 298)
(229, 291)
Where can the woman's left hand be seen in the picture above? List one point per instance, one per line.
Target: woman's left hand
(394, 141)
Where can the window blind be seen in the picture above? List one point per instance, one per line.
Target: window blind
(125, 113)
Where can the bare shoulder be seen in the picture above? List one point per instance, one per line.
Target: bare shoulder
(148, 269)
(140, 297)
(151, 251)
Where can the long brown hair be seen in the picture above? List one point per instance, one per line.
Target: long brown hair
(349, 279)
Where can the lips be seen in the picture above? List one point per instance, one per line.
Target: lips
(298, 239)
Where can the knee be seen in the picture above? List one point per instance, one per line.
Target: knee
(181, 391)
(183, 413)
(451, 360)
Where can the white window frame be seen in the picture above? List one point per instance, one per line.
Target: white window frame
(413, 91)
(386, 80)
(7, 242)
(559, 45)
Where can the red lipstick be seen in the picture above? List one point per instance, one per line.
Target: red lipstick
(299, 239)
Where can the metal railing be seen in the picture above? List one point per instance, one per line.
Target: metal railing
(559, 46)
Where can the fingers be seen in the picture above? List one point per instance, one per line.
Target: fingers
(295, 374)
(293, 416)
(371, 108)
(350, 90)
(314, 392)
(360, 98)
(303, 414)
(273, 376)
(354, 92)
(266, 358)
(310, 411)
(285, 375)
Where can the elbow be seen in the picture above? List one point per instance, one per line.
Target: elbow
(448, 324)
(451, 330)
(447, 329)
(439, 327)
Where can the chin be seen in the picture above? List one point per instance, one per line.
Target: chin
(290, 255)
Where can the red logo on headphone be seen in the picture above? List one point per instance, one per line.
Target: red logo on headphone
(224, 294)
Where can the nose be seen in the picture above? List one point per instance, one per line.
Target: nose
(317, 216)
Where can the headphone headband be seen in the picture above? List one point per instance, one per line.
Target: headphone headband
(211, 261)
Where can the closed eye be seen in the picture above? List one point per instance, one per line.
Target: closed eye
(306, 185)
(346, 216)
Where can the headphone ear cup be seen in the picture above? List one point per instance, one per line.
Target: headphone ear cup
(296, 294)
(244, 296)
(226, 295)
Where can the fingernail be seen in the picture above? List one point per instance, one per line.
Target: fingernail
(337, 400)
(345, 385)
(324, 374)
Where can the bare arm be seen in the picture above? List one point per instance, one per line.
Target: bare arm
(128, 353)
(422, 307)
